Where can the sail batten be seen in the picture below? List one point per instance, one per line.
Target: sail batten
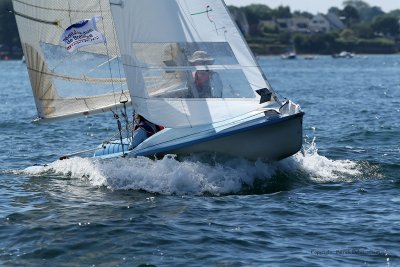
(56, 23)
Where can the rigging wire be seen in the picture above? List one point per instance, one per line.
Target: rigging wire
(125, 116)
(124, 113)
(113, 87)
(120, 131)
(118, 53)
(108, 54)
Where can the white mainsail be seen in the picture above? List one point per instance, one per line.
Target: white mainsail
(161, 43)
(69, 84)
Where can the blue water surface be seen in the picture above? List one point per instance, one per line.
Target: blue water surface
(337, 204)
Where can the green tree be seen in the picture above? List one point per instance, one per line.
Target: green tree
(268, 28)
(285, 38)
(321, 43)
(254, 14)
(282, 12)
(394, 13)
(8, 28)
(348, 35)
(335, 10)
(239, 17)
(350, 15)
(363, 30)
(257, 12)
(371, 13)
(358, 4)
(387, 25)
(365, 11)
(303, 14)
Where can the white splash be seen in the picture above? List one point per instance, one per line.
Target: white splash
(192, 175)
(320, 168)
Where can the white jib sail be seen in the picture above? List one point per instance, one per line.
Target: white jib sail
(65, 84)
(186, 62)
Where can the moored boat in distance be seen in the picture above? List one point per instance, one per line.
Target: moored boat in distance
(290, 55)
(343, 54)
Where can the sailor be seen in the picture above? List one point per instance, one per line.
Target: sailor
(143, 129)
(208, 82)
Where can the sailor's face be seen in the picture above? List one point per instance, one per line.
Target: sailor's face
(137, 119)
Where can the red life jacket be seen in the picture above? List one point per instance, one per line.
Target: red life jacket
(202, 78)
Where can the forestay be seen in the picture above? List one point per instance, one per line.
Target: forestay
(169, 48)
(69, 84)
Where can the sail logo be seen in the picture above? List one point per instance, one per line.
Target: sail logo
(82, 33)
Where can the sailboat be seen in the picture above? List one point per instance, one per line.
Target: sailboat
(148, 62)
(290, 54)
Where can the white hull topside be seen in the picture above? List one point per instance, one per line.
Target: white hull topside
(263, 137)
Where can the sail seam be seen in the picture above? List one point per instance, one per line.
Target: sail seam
(57, 9)
(196, 99)
(211, 67)
(78, 98)
(83, 79)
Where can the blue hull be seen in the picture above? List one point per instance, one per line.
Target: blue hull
(260, 137)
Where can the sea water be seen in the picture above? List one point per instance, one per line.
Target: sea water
(336, 203)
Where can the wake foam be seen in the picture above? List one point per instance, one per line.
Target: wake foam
(320, 168)
(198, 174)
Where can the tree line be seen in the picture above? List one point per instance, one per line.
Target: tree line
(367, 30)
(10, 45)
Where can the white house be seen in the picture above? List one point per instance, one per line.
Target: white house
(294, 24)
(326, 23)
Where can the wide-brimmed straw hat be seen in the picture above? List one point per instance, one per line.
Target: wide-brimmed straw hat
(201, 58)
